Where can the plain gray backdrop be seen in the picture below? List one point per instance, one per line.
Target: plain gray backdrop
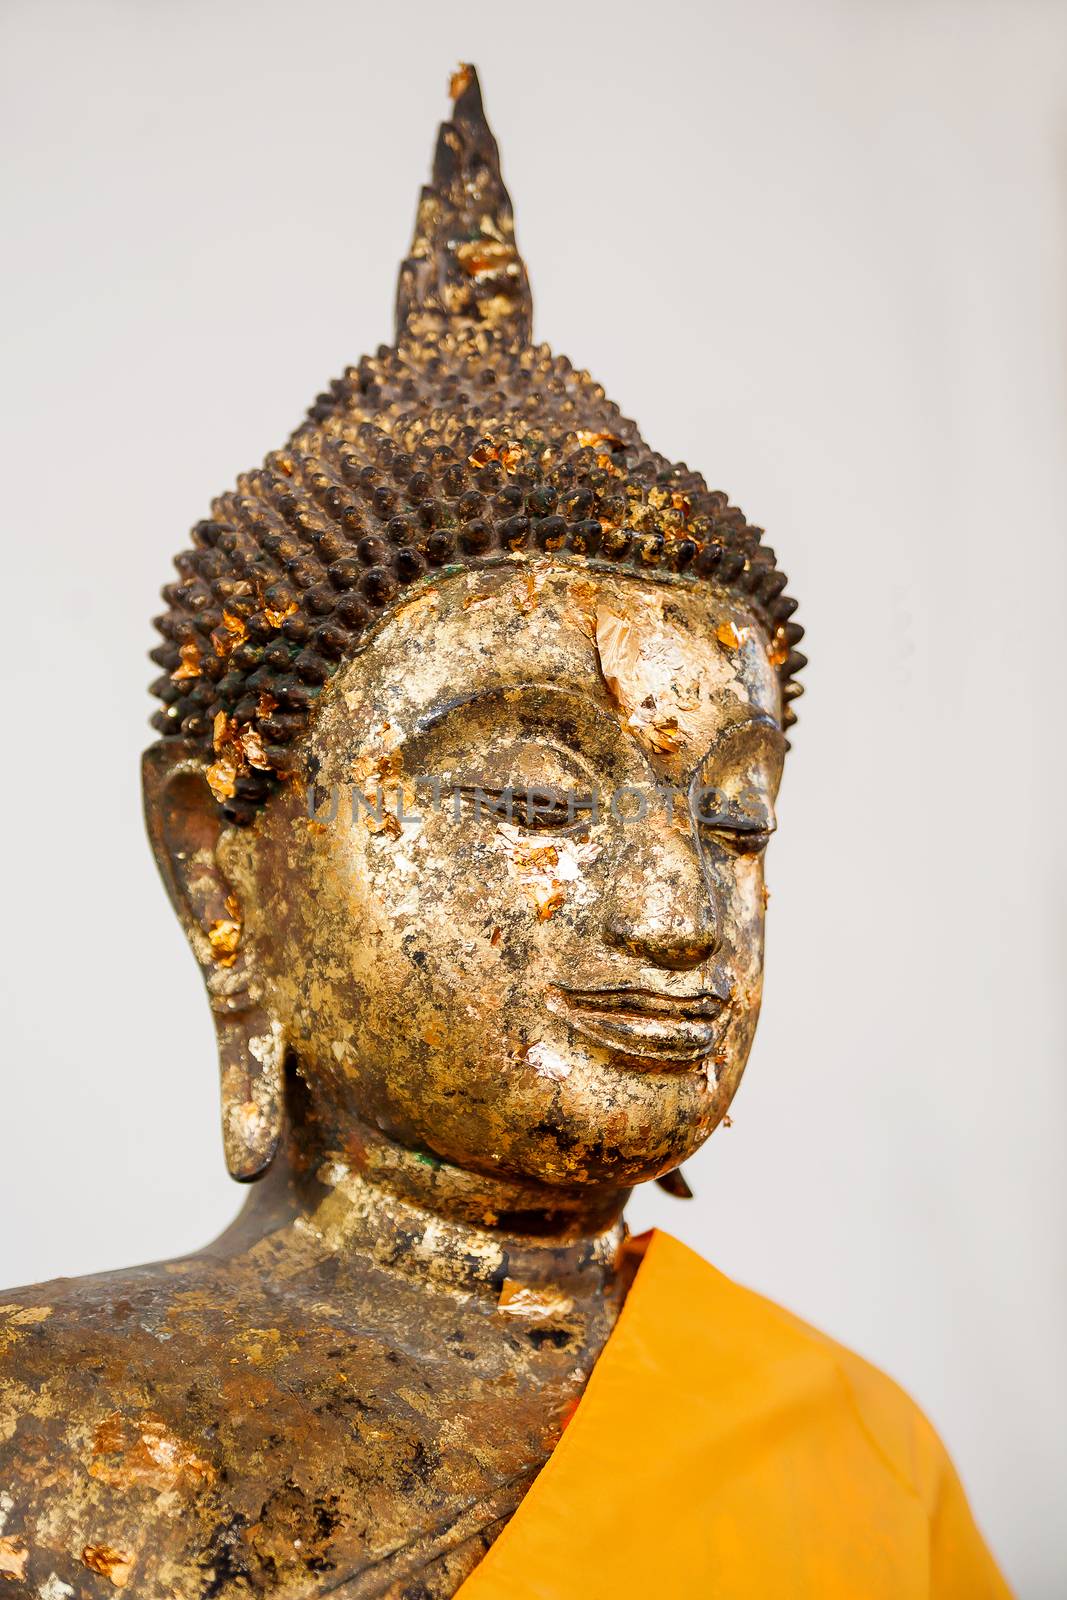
(819, 252)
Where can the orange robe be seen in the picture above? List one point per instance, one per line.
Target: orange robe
(725, 1449)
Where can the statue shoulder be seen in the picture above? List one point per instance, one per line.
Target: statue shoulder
(109, 1403)
(161, 1427)
(192, 1427)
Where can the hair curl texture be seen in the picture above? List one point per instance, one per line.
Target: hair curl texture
(462, 445)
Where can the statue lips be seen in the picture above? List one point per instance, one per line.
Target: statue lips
(651, 1027)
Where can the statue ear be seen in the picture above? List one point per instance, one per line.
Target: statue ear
(185, 824)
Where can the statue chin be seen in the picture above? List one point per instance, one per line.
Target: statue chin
(471, 727)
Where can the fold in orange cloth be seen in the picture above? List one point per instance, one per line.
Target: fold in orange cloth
(724, 1449)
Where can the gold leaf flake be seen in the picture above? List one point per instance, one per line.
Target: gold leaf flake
(534, 1304)
(478, 257)
(482, 454)
(190, 663)
(224, 935)
(527, 593)
(653, 683)
(586, 438)
(583, 613)
(222, 779)
(252, 747)
(548, 903)
(617, 649)
(407, 614)
(14, 1553)
(235, 625)
(229, 634)
(276, 617)
(544, 871)
(109, 1563)
(535, 858)
(145, 1452)
(729, 634)
(663, 734)
(13, 1319)
(221, 731)
(547, 1063)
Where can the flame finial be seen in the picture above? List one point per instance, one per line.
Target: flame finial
(464, 266)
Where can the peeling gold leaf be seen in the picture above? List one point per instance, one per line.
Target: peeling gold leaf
(527, 593)
(587, 438)
(14, 1553)
(534, 1304)
(222, 779)
(224, 936)
(109, 1563)
(231, 632)
(190, 667)
(276, 617)
(235, 625)
(13, 1319)
(582, 615)
(729, 634)
(221, 731)
(147, 1453)
(548, 1063)
(407, 614)
(663, 734)
(654, 684)
(252, 748)
(548, 904)
(482, 454)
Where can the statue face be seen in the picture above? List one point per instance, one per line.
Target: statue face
(569, 995)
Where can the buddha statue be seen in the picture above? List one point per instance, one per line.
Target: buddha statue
(473, 714)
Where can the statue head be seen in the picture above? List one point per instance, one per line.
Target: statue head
(473, 717)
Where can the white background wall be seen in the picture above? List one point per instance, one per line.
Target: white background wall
(819, 252)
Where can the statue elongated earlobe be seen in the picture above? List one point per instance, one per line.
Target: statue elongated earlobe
(184, 826)
(251, 1060)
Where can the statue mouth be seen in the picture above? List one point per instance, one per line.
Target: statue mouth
(651, 1028)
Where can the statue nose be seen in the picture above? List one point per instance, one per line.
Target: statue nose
(661, 907)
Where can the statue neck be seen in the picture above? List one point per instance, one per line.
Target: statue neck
(367, 1203)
